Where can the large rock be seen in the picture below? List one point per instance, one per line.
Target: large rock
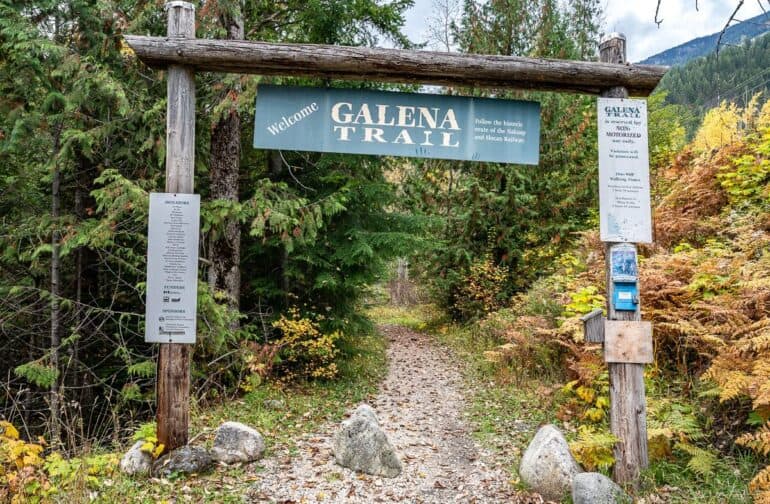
(548, 466)
(361, 445)
(136, 461)
(595, 488)
(184, 460)
(236, 442)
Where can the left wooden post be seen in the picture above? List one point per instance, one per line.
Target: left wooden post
(173, 385)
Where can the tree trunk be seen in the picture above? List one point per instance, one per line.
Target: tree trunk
(275, 166)
(225, 250)
(86, 293)
(54, 398)
(401, 289)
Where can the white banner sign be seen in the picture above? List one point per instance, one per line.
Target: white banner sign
(172, 268)
(624, 171)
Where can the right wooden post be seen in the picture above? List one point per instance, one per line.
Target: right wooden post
(628, 407)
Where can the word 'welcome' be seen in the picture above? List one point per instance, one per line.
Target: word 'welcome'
(287, 122)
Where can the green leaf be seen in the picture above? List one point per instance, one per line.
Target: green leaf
(43, 376)
(144, 369)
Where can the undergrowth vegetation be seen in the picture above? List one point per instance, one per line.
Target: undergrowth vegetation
(34, 472)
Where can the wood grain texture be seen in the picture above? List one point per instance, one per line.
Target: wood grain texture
(395, 65)
(173, 395)
(173, 386)
(628, 404)
(593, 326)
(180, 130)
(628, 342)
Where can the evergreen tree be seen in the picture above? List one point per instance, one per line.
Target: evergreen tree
(518, 217)
(736, 74)
(82, 121)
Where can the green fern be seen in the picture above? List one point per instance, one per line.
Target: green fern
(38, 373)
(144, 369)
(130, 392)
(594, 449)
(145, 431)
(702, 461)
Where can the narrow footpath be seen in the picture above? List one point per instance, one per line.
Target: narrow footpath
(419, 405)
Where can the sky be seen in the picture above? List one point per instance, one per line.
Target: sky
(636, 20)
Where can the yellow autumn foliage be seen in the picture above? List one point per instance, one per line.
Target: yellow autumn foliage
(305, 352)
(720, 127)
(22, 478)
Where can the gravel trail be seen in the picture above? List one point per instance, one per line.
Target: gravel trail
(419, 405)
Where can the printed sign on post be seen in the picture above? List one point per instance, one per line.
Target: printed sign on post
(624, 171)
(397, 124)
(172, 268)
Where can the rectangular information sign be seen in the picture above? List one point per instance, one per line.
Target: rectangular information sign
(397, 124)
(172, 268)
(624, 171)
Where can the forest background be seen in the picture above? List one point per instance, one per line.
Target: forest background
(293, 243)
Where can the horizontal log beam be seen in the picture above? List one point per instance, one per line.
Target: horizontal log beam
(395, 65)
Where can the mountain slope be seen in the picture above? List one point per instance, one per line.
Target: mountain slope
(701, 84)
(705, 45)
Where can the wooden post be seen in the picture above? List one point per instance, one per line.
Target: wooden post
(173, 387)
(628, 408)
(593, 326)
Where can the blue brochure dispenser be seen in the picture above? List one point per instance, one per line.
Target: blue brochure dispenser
(624, 276)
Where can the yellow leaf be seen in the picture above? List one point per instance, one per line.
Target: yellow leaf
(31, 460)
(158, 450)
(586, 394)
(10, 430)
(570, 386)
(147, 447)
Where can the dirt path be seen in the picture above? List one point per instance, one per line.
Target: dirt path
(420, 407)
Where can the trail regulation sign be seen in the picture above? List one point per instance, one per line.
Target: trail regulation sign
(172, 268)
(397, 124)
(624, 171)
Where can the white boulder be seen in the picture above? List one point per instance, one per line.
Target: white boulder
(136, 461)
(547, 466)
(236, 442)
(595, 488)
(362, 445)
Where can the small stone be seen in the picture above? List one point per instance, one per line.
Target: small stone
(236, 442)
(547, 466)
(184, 460)
(362, 445)
(274, 404)
(136, 461)
(595, 488)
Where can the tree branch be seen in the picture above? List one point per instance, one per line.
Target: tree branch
(727, 24)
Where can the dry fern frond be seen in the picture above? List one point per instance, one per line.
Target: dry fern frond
(759, 343)
(760, 485)
(750, 328)
(757, 441)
